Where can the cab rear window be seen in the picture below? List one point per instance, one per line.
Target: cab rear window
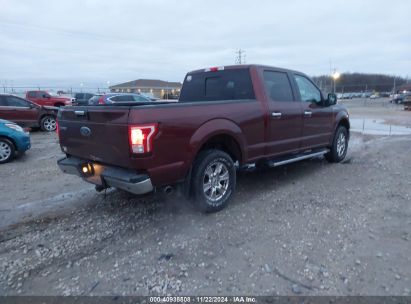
(217, 85)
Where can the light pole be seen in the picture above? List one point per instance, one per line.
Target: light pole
(335, 76)
(81, 87)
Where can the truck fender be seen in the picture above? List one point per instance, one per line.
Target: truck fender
(342, 117)
(216, 127)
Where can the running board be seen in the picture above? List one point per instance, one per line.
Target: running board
(298, 157)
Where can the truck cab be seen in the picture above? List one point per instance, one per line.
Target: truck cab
(44, 98)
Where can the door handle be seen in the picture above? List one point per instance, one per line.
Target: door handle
(80, 113)
(276, 114)
(308, 113)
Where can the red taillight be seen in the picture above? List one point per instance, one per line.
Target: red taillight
(101, 100)
(141, 138)
(58, 129)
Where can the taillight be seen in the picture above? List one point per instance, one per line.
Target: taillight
(58, 129)
(141, 138)
(101, 100)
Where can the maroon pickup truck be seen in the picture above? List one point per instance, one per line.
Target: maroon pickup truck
(226, 118)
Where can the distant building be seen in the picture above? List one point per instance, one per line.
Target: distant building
(405, 87)
(150, 87)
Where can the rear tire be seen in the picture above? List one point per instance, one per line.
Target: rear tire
(48, 123)
(7, 151)
(339, 146)
(213, 180)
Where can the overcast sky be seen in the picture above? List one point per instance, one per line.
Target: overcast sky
(69, 42)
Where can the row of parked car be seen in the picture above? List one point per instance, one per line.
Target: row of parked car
(38, 111)
(401, 98)
(370, 95)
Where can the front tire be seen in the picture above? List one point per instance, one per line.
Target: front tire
(213, 180)
(339, 147)
(7, 150)
(48, 123)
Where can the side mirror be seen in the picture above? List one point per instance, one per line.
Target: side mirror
(331, 99)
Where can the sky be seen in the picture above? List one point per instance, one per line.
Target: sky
(99, 42)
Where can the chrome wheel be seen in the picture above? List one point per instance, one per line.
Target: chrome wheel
(5, 151)
(341, 145)
(216, 181)
(49, 124)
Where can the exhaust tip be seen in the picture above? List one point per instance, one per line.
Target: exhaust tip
(100, 188)
(168, 190)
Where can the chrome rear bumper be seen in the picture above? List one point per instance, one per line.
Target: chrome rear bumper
(108, 176)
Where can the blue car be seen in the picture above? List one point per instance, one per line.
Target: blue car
(13, 140)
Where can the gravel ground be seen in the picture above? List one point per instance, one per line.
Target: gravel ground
(310, 228)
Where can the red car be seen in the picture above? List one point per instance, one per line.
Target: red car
(44, 98)
(226, 118)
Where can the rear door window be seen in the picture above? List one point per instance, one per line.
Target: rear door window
(17, 102)
(3, 102)
(140, 98)
(122, 98)
(277, 86)
(232, 84)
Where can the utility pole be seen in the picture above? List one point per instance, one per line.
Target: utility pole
(395, 87)
(240, 57)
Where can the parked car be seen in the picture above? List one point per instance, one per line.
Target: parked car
(45, 98)
(111, 98)
(81, 99)
(13, 140)
(374, 96)
(27, 114)
(346, 96)
(226, 118)
(399, 98)
(407, 102)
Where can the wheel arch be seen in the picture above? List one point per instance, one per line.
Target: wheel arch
(219, 134)
(11, 140)
(344, 121)
(47, 114)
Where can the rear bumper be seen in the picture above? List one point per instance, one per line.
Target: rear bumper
(108, 176)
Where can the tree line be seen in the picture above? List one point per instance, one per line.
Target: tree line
(360, 82)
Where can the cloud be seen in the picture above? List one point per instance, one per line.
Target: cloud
(68, 42)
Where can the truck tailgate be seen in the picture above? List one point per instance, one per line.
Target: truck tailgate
(97, 133)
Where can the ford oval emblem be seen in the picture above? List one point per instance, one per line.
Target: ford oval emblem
(85, 131)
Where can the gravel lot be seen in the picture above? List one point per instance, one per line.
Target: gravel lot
(309, 228)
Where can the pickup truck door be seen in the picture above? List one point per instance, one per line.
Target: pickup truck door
(285, 114)
(317, 118)
(42, 98)
(18, 110)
